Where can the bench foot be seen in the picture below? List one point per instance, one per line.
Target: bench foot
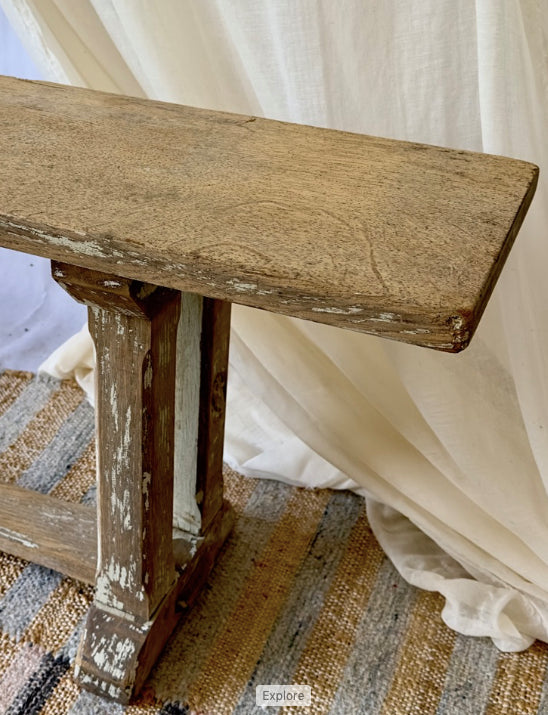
(118, 650)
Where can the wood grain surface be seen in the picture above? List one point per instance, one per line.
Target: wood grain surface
(48, 531)
(387, 237)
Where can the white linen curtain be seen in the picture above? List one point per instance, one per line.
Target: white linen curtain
(451, 451)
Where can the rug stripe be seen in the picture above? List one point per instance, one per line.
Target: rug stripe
(62, 697)
(11, 568)
(32, 697)
(369, 670)
(56, 621)
(174, 709)
(334, 631)
(12, 385)
(9, 647)
(71, 646)
(238, 491)
(142, 708)
(90, 704)
(237, 648)
(466, 688)
(67, 691)
(65, 447)
(80, 477)
(419, 689)
(25, 662)
(192, 642)
(298, 616)
(90, 497)
(40, 430)
(517, 685)
(26, 597)
(30, 402)
(543, 700)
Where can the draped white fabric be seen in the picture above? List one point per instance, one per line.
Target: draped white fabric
(451, 451)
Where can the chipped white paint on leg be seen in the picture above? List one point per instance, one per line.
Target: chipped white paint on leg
(119, 572)
(186, 514)
(114, 405)
(126, 577)
(135, 340)
(112, 654)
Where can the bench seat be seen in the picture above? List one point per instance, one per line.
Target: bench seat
(386, 237)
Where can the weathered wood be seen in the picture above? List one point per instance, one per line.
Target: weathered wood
(134, 327)
(202, 366)
(186, 513)
(48, 531)
(147, 360)
(63, 536)
(213, 383)
(117, 653)
(387, 237)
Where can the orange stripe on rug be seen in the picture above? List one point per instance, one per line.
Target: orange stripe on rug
(236, 650)
(63, 696)
(80, 477)
(8, 650)
(12, 384)
(335, 630)
(11, 568)
(517, 684)
(428, 642)
(237, 489)
(56, 620)
(141, 707)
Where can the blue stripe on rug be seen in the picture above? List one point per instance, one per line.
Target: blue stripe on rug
(26, 597)
(463, 691)
(90, 497)
(89, 704)
(294, 624)
(369, 670)
(33, 398)
(64, 449)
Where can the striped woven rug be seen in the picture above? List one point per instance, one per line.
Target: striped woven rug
(301, 594)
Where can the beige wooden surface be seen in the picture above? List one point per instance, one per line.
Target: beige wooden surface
(392, 238)
(48, 531)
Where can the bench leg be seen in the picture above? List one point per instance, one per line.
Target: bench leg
(148, 572)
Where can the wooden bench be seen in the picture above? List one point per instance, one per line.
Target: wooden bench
(158, 217)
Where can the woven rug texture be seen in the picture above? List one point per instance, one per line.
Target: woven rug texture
(302, 593)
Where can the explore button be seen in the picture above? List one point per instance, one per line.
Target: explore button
(283, 695)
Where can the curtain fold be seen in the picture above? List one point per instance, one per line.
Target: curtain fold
(451, 452)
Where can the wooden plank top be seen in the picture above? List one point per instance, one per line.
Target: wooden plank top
(387, 237)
